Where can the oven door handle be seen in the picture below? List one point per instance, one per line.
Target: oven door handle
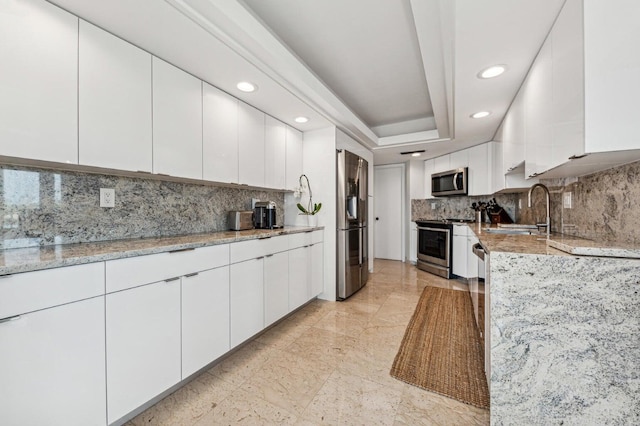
(422, 228)
(455, 181)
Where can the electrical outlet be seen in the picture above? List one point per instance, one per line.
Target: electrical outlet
(107, 197)
(519, 203)
(566, 200)
(433, 206)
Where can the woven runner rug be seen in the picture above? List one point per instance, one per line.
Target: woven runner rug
(441, 350)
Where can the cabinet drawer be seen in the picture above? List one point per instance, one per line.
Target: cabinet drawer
(31, 291)
(245, 250)
(276, 244)
(134, 271)
(462, 230)
(317, 236)
(300, 240)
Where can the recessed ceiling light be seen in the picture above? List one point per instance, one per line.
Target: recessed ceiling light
(301, 119)
(415, 154)
(481, 114)
(246, 86)
(492, 71)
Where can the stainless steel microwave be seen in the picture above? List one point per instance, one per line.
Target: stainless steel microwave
(452, 182)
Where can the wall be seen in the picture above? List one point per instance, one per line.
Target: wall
(605, 205)
(43, 207)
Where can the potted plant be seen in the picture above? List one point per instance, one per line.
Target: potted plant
(312, 209)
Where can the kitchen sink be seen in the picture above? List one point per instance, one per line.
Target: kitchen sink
(513, 229)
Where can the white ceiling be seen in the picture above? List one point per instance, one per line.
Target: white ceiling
(396, 75)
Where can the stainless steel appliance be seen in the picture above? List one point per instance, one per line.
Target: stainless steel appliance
(240, 220)
(352, 243)
(452, 182)
(435, 245)
(265, 215)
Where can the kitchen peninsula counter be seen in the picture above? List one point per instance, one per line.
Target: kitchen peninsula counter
(29, 259)
(564, 342)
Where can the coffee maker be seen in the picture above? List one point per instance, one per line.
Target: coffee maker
(265, 215)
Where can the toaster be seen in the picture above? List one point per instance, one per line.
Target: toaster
(240, 220)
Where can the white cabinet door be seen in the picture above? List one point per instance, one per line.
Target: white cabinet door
(275, 153)
(429, 169)
(294, 158)
(251, 145)
(317, 269)
(459, 266)
(568, 83)
(472, 259)
(276, 287)
(247, 300)
(299, 289)
(114, 102)
(441, 164)
(513, 134)
(459, 159)
(205, 318)
(52, 366)
(479, 173)
(143, 345)
(220, 135)
(38, 81)
(177, 122)
(538, 113)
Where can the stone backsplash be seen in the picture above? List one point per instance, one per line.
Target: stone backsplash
(605, 205)
(460, 207)
(43, 207)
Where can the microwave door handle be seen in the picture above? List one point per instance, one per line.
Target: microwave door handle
(455, 181)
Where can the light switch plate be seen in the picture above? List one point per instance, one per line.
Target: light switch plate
(107, 197)
(566, 200)
(433, 206)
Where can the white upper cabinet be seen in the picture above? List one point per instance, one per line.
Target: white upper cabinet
(177, 122)
(429, 169)
(275, 153)
(513, 135)
(294, 158)
(114, 102)
(442, 163)
(480, 169)
(251, 139)
(459, 159)
(220, 135)
(38, 81)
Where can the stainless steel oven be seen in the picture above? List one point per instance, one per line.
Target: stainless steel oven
(434, 247)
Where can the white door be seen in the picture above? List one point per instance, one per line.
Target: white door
(388, 199)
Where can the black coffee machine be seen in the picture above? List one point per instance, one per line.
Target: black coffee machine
(265, 215)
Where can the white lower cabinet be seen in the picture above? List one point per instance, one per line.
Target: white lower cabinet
(299, 289)
(246, 299)
(52, 366)
(143, 345)
(276, 287)
(459, 255)
(317, 269)
(205, 318)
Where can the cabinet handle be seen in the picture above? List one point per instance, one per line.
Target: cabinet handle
(181, 250)
(264, 238)
(269, 255)
(310, 230)
(192, 275)
(261, 257)
(13, 318)
(575, 157)
(171, 279)
(5, 276)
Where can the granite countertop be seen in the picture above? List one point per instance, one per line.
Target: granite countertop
(555, 244)
(28, 259)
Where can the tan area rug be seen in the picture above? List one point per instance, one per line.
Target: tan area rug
(441, 350)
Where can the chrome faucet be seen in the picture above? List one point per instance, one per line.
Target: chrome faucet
(546, 190)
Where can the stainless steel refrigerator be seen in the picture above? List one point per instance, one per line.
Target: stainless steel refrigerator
(352, 208)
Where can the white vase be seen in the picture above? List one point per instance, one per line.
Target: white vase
(312, 220)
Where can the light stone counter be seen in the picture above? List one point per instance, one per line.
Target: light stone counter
(565, 334)
(28, 259)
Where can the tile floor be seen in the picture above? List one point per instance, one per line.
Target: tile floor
(326, 364)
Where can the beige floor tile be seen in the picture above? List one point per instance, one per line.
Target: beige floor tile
(188, 404)
(381, 341)
(351, 400)
(282, 335)
(364, 364)
(289, 381)
(420, 407)
(350, 324)
(322, 345)
(244, 408)
(240, 365)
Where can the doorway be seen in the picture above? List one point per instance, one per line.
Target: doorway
(388, 205)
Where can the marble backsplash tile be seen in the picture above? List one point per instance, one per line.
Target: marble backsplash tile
(460, 207)
(43, 207)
